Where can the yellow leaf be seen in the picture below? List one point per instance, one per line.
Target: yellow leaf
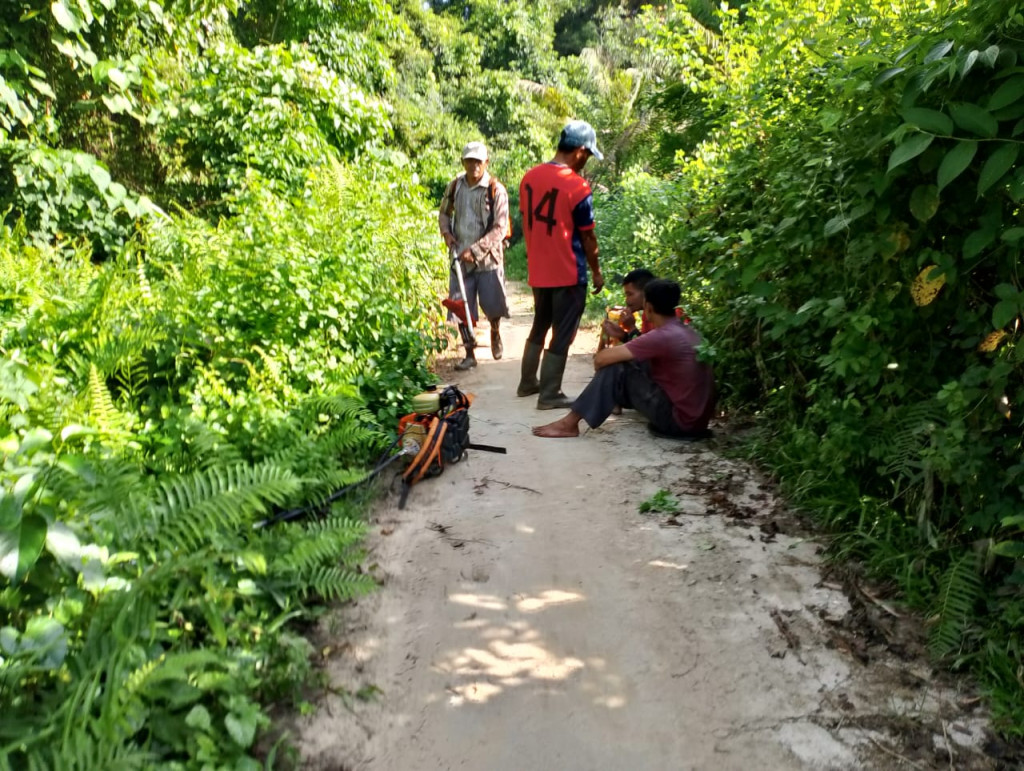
(992, 341)
(924, 289)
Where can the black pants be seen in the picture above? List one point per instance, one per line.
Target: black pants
(559, 308)
(627, 384)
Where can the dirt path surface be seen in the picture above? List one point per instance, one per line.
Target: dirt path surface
(533, 618)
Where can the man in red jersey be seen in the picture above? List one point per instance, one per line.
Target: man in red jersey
(558, 225)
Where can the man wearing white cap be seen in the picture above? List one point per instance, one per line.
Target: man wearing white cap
(474, 224)
(558, 226)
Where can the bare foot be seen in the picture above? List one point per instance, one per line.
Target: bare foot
(566, 427)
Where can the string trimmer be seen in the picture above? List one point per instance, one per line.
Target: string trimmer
(458, 305)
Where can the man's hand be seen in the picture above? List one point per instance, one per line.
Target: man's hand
(449, 240)
(598, 281)
(467, 256)
(613, 330)
(628, 323)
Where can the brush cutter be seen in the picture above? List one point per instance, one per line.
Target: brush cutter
(458, 305)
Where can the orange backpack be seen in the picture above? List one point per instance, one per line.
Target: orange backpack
(445, 438)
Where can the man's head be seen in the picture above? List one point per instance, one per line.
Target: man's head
(474, 161)
(577, 142)
(633, 284)
(662, 296)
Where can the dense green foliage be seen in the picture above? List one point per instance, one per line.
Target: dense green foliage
(220, 275)
(848, 231)
(166, 382)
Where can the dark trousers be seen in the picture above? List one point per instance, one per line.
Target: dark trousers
(559, 308)
(627, 384)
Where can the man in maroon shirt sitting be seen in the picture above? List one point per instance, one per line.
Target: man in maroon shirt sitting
(656, 374)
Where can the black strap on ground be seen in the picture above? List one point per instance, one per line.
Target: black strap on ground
(487, 448)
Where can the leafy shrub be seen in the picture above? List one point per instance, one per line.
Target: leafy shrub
(153, 412)
(274, 109)
(850, 234)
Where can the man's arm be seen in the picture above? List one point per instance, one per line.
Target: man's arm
(589, 240)
(615, 355)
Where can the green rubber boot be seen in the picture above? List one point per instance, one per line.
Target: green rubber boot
(551, 370)
(528, 383)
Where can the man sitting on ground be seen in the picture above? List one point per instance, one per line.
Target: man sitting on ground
(656, 374)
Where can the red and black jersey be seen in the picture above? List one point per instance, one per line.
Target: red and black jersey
(557, 205)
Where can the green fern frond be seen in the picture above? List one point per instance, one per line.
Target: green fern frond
(337, 406)
(210, 448)
(101, 406)
(901, 434)
(959, 591)
(332, 540)
(337, 584)
(189, 510)
(132, 377)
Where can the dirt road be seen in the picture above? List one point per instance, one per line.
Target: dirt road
(533, 618)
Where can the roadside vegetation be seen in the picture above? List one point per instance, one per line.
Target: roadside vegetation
(219, 275)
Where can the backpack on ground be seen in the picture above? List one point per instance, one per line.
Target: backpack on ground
(439, 438)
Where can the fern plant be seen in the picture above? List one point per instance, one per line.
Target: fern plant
(960, 589)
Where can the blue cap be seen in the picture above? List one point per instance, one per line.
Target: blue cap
(579, 133)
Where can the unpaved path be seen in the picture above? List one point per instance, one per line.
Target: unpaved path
(533, 618)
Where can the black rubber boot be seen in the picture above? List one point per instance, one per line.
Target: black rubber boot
(469, 362)
(497, 349)
(551, 370)
(528, 383)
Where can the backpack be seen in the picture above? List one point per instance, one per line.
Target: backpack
(492, 194)
(445, 439)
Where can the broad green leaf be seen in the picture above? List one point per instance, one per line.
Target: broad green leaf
(909, 149)
(990, 55)
(199, 717)
(21, 547)
(834, 225)
(888, 74)
(64, 545)
(1013, 235)
(1011, 549)
(35, 440)
(1000, 162)
(924, 202)
(1006, 292)
(1008, 93)
(83, 6)
(100, 177)
(117, 77)
(42, 87)
(74, 429)
(242, 728)
(956, 160)
(9, 640)
(969, 61)
(971, 117)
(929, 120)
(1004, 312)
(117, 103)
(63, 16)
(977, 242)
(938, 51)
(45, 637)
